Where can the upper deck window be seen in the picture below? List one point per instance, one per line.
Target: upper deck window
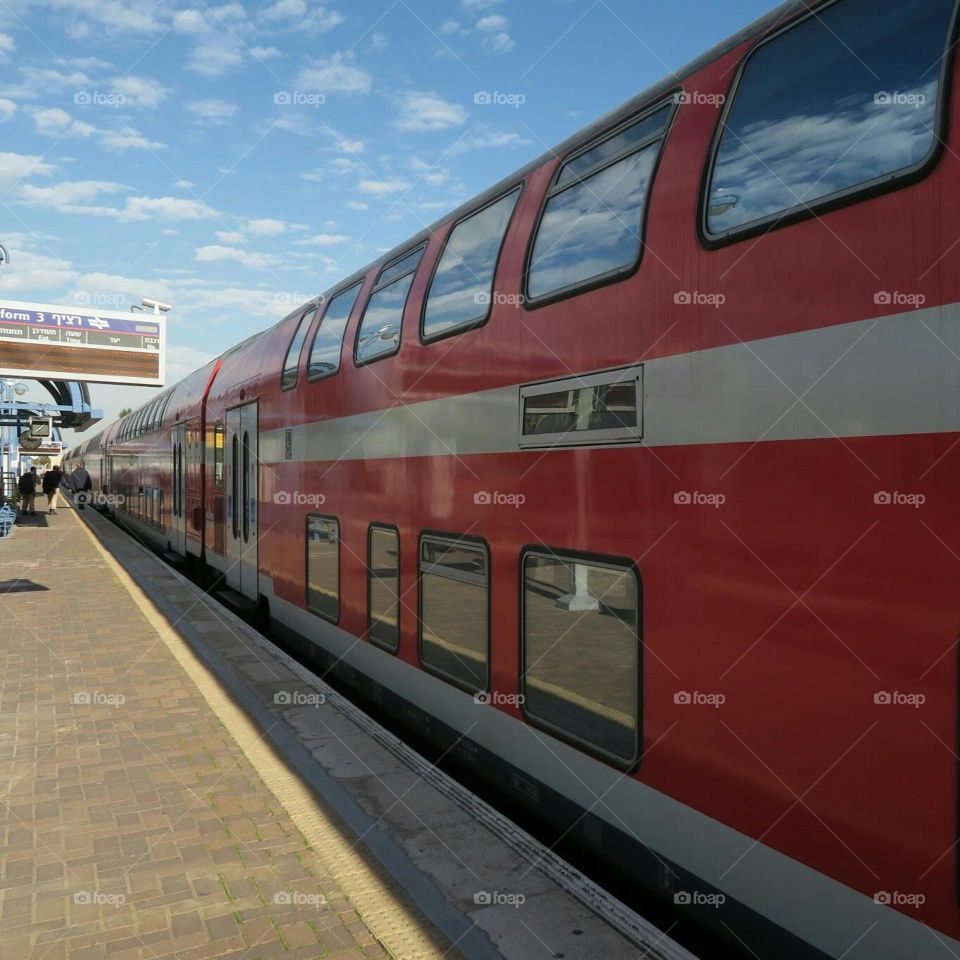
(592, 223)
(845, 99)
(379, 333)
(462, 287)
(328, 340)
(291, 363)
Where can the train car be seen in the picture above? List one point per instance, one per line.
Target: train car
(632, 483)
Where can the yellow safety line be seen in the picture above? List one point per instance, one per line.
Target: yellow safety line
(391, 917)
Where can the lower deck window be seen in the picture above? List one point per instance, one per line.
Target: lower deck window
(581, 651)
(454, 614)
(383, 564)
(323, 567)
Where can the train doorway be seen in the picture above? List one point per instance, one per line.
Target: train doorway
(241, 466)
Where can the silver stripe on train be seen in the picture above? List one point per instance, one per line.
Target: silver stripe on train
(881, 377)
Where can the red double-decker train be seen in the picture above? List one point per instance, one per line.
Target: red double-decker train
(633, 481)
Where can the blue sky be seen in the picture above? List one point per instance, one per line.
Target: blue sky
(236, 159)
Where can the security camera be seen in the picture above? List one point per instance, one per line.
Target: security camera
(157, 305)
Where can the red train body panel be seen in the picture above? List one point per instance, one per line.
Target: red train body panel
(773, 572)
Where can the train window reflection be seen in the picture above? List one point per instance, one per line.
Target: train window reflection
(323, 566)
(597, 408)
(291, 363)
(592, 223)
(328, 340)
(383, 564)
(454, 601)
(841, 100)
(380, 328)
(581, 651)
(462, 287)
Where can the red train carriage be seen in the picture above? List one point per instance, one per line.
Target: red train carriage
(634, 478)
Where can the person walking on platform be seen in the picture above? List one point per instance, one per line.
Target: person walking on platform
(27, 486)
(51, 487)
(82, 484)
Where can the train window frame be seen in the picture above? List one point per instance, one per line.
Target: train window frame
(850, 196)
(669, 102)
(473, 541)
(519, 188)
(594, 559)
(378, 285)
(306, 566)
(583, 438)
(304, 321)
(395, 530)
(358, 285)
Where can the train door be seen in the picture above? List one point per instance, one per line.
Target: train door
(178, 519)
(241, 467)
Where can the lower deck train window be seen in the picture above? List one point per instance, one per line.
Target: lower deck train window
(581, 651)
(383, 564)
(454, 609)
(323, 567)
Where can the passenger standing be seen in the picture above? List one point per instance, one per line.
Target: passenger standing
(82, 484)
(51, 487)
(28, 490)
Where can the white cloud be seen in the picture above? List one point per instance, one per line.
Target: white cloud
(212, 111)
(305, 17)
(19, 166)
(184, 184)
(140, 91)
(35, 275)
(493, 22)
(216, 56)
(7, 109)
(190, 22)
(500, 43)
(54, 122)
(70, 196)
(449, 26)
(325, 240)
(90, 18)
(379, 188)
(350, 146)
(229, 236)
(358, 205)
(165, 208)
(379, 41)
(265, 227)
(218, 254)
(335, 75)
(6, 45)
(265, 53)
(428, 111)
(483, 138)
(127, 139)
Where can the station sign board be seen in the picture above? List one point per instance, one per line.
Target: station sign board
(41, 341)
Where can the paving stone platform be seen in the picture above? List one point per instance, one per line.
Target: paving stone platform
(133, 824)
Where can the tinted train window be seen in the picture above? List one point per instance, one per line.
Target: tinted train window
(379, 333)
(593, 220)
(596, 408)
(328, 340)
(841, 100)
(454, 609)
(462, 287)
(291, 363)
(383, 564)
(581, 651)
(323, 567)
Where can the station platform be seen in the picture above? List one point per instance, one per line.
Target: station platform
(173, 785)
